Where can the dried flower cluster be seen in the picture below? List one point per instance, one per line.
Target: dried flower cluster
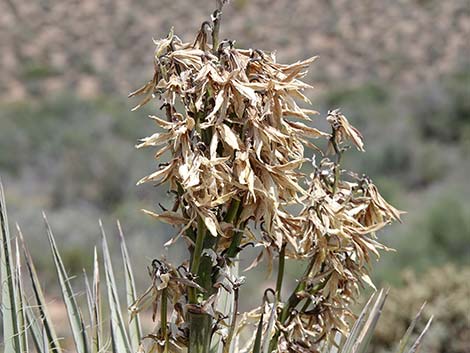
(237, 166)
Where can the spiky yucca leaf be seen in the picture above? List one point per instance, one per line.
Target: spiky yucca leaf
(96, 319)
(21, 315)
(417, 344)
(73, 311)
(363, 329)
(135, 330)
(44, 317)
(37, 331)
(119, 335)
(359, 338)
(94, 305)
(403, 342)
(406, 338)
(9, 305)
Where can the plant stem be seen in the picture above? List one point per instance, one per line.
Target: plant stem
(233, 249)
(294, 299)
(339, 154)
(199, 333)
(163, 318)
(233, 322)
(291, 303)
(280, 272)
(200, 328)
(232, 211)
(196, 258)
(216, 28)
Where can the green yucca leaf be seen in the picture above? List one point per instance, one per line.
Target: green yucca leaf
(135, 330)
(96, 317)
(73, 311)
(415, 347)
(369, 327)
(119, 335)
(19, 302)
(361, 333)
(49, 330)
(45, 341)
(358, 325)
(405, 339)
(225, 304)
(258, 337)
(93, 328)
(89, 296)
(97, 311)
(37, 331)
(9, 305)
(270, 329)
(367, 332)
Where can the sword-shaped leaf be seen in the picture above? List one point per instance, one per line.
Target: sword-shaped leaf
(135, 330)
(405, 339)
(415, 347)
(73, 311)
(22, 326)
(44, 316)
(119, 335)
(94, 305)
(9, 305)
(37, 331)
(361, 333)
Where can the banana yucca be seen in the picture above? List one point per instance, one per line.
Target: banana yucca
(236, 141)
(246, 168)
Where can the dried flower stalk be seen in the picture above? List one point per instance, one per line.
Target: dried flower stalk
(236, 140)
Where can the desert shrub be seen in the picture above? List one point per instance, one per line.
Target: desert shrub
(446, 293)
(434, 235)
(442, 109)
(448, 224)
(81, 139)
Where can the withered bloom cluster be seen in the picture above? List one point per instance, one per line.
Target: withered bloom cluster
(236, 143)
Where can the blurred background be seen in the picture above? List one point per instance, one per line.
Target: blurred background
(399, 70)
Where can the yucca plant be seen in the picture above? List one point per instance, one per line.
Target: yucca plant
(27, 324)
(236, 143)
(238, 170)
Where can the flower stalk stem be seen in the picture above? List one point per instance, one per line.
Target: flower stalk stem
(233, 323)
(339, 155)
(163, 318)
(200, 324)
(291, 303)
(235, 244)
(280, 272)
(196, 258)
(216, 27)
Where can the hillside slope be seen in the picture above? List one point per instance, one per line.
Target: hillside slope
(94, 46)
